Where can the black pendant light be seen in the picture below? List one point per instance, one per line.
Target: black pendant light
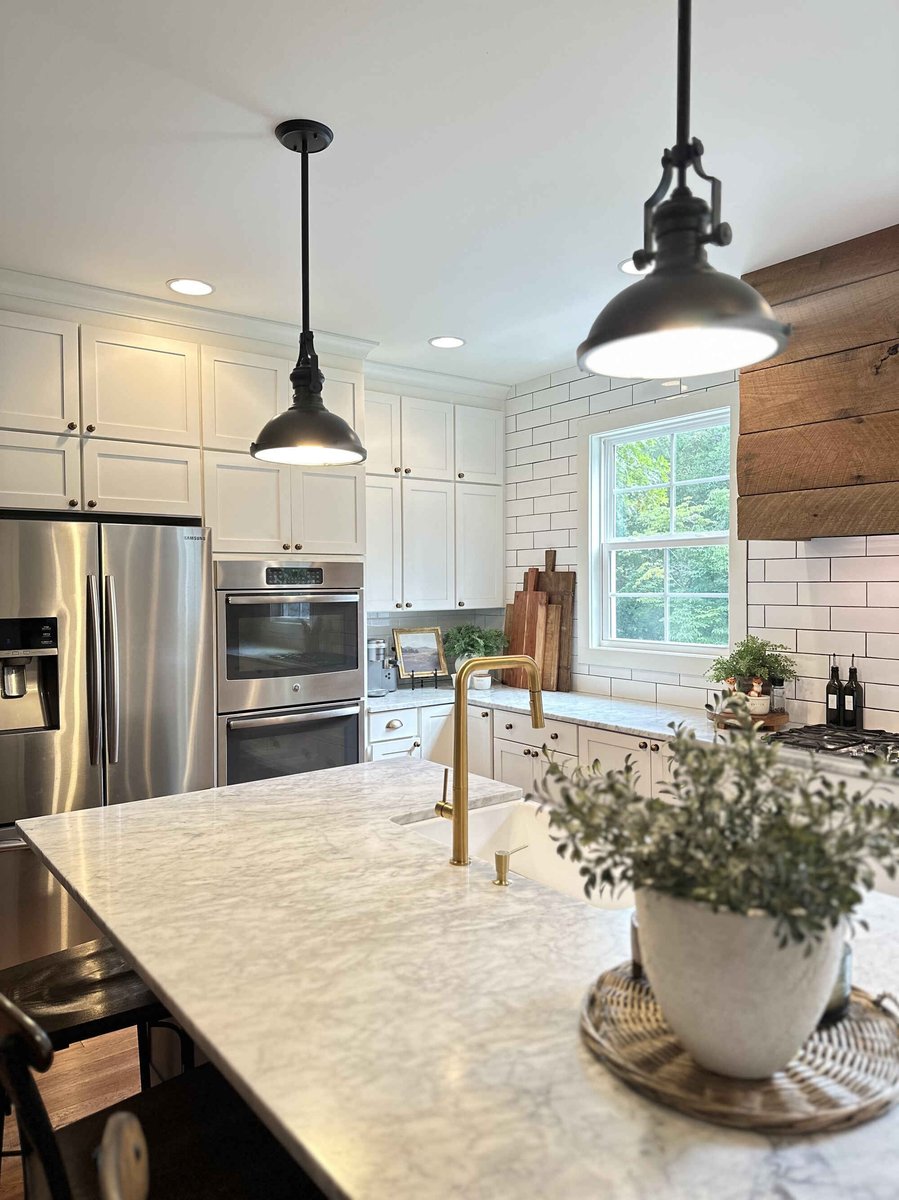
(307, 434)
(684, 317)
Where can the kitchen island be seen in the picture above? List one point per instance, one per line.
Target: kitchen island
(405, 1028)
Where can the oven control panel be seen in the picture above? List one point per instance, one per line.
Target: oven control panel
(294, 576)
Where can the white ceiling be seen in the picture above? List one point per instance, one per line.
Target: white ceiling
(490, 158)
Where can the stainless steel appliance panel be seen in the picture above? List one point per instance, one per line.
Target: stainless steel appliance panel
(254, 575)
(269, 745)
(37, 915)
(49, 570)
(158, 664)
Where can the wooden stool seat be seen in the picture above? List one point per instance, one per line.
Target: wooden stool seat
(204, 1143)
(80, 993)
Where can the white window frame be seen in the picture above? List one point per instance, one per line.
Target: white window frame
(596, 439)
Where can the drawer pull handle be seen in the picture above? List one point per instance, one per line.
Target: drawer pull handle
(643, 745)
(554, 736)
(396, 723)
(654, 747)
(509, 726)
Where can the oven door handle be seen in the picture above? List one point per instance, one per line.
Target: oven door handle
(280, 598)
(298, 719)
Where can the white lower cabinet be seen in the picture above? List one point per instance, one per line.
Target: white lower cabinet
(437, 733)
(480, 740)
(398, 748)
(133, 477)
(523, 766)
(650, 755)
(39, 470)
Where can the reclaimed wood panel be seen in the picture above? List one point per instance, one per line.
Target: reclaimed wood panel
(868, 508)
(850, 383)
(859, 314)
(825, 454)
(846, 262)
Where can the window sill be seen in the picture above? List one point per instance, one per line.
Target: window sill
(673, 661)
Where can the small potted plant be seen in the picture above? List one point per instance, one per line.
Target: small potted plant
(471, 641)
(746, 872)
(750, 667)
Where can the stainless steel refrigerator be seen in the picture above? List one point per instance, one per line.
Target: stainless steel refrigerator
(106, 691)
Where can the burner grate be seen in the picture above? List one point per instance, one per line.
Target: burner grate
(851, 743)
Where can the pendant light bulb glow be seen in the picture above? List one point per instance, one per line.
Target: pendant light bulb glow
(307, 434)
(682, 317)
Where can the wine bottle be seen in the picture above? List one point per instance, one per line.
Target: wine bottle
(833, 694)
(853, 700)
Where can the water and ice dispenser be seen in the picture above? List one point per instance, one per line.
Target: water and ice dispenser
(29, 674)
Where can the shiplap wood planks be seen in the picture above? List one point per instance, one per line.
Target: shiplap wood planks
(822, 512)
(846, 262)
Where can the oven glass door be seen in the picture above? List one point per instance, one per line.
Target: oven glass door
(270, 745)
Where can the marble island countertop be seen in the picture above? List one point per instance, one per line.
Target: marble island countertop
(408, 1030)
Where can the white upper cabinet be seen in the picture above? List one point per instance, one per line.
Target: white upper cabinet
(427, 436)
(480, 448)
(343, 394)
(124, 477)
(38, 374)
(428, 530)
(240, 393)
(39, 470)
(479, 546)
(247, 503)
(139, 388)
(328, 507)
(383, 542)
(382, 434)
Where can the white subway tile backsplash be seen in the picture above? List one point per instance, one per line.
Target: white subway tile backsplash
(519, 508)
(593, 684)
(771, 593)
(882, 593)
(780, 637)
(802, 570)
(568, 375)
(834, 593)
(669, 677)
(869, 620)
(519, 404)
(519, 474)
(881, 695)
(654, 389)
(883, 544)
(813, 666)
(551, 539)
(685, 697)
(696, 382)
(533, 487)
(810, 641)
(800, 616)
(549, 504)
(564, 483)
(531, 524)
(549, 468)
(762, 549)
(553, 395)
(571, 409)
(533, 385)
(553, 432)
(874, 568)
(532, 454)
(564, 520)
(531, 420)
(520, 541)
(568, 446)
(606, 401)
(878, 670)
(755, 569)
(590, 386)
(755, 614)
(839, 547)
(634, 689)
(522, 437)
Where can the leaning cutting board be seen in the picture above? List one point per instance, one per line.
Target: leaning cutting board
(528, 626)
(551, 647)
(560, 587)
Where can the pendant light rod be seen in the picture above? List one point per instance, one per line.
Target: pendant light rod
(684, 40)
(304, 235)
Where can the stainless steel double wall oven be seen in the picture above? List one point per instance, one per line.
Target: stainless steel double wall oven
(290, 642)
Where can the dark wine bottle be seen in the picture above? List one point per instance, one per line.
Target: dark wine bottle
(853, 700)
(833, 694)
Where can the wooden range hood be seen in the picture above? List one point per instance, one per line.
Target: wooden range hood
(818, 452)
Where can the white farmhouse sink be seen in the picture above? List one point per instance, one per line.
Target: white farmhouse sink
(519, 823)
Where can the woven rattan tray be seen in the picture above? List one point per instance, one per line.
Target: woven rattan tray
(845, 1074)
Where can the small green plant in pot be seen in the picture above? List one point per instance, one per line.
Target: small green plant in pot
(746, 872)
(471, 641)
(750, 667)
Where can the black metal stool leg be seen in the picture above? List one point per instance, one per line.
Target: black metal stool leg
(143, 1054)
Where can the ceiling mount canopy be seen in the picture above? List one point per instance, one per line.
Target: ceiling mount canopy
(684, 317)
(307, 434)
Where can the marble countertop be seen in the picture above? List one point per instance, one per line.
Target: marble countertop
(406, 1028)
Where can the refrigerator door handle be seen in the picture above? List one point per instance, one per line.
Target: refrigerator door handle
(94, 670)
(113, 700)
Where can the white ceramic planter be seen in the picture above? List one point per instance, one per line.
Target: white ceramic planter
(740, 1005)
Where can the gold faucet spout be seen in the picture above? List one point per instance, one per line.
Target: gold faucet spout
(457, 810)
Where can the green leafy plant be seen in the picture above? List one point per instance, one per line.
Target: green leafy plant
(753, 658)
(737, 828)
(471, 640)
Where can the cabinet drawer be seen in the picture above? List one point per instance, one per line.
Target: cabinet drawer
(407, 747)
(398, 723)
(557, 735)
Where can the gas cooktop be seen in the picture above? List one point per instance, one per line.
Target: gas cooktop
(851, 743)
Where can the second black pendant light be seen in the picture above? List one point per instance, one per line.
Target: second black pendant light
(685, 318)
(307, 434)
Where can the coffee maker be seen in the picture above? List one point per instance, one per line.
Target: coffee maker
(381, 669)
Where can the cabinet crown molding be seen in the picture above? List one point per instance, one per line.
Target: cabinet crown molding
(434, 385)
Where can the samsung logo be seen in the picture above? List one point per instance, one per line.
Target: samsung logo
(194, 537)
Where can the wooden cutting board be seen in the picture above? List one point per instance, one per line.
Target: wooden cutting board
(528, 626)
(551, 647)
(560, 585)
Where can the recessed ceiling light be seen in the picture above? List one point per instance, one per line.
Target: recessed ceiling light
(628, 267)
(190, 287)
(447, 343)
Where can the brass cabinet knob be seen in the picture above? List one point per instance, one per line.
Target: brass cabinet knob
(92, 503)
(654, 747)
(461, 474)
(509, 726)
(408, 605)
(642, 745)
(408, 471)
(298, 546)
(72, 425)
(285, 546)
(90, 428)
(461, 603)
(73, 504)
(397, 470)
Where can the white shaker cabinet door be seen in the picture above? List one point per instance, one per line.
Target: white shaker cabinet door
(613, 749)
(125, 477)
(343, 395)
(38, 374)
(480, 739)
(428, 558)
(479, 546)
(383, 544)
(247, 503)
(480, 445)
(437, 733)
(515, 764)
(382, 434)
(328, 505)
(240, 393)
(39, 470)
(139, 388)
(427, 436)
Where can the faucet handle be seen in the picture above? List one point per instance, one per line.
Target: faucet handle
(501, 862)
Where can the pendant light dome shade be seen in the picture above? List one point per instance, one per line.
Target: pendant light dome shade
(682, 320)
(307, 435)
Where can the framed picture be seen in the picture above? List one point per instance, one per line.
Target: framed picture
(419, 652)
